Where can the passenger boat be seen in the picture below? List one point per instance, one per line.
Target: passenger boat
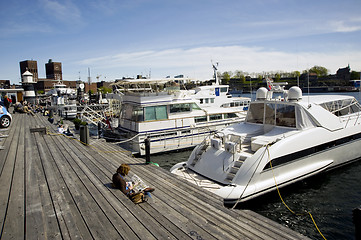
(63, 100)
(171, 118)
(282, 140)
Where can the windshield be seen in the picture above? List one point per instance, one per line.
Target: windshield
(278, 114)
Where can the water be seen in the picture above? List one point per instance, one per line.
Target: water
(330, 198)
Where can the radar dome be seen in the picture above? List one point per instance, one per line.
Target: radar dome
(261, 93)
(294, 93)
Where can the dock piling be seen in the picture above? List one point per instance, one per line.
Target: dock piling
(147, 150)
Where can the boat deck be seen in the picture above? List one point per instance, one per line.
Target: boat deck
(54, 187)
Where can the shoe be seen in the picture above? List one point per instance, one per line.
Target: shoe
(149, 189)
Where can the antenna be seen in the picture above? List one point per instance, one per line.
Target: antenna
(215, 72)
(89, 79)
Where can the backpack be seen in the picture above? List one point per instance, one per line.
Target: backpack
(138, 198)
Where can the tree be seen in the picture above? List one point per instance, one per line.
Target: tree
(226, 76)
(105, 90)
(320, 71)
(277, 77)
(355, 75)
(295, 74)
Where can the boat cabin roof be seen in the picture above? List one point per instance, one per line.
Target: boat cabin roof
(313, 110)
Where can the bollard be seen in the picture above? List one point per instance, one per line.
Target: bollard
(356, 217)
(84, 134)
(147, 150)
(99, 129)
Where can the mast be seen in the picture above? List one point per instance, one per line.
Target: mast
(89, 79)
(215, 72)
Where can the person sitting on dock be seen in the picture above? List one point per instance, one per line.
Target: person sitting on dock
(64, 129)
(134, 191)
(61, 129)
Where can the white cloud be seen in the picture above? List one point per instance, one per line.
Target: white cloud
(196, 62)
(351, 25)
(65, 11)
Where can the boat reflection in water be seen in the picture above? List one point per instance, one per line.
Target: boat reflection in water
(282, 141)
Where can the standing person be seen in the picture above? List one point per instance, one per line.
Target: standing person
(6, 103)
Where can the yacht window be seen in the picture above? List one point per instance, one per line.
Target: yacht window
(255, 113)
(206, 100)
(201, 101)
(181, 107)
(155, 113)
(212, 100)
(285, 115)
(230, 115)
(200, 119)
(270, 114)
(215, 117)
(224, 89)
(137, 114)
(195, 107)
(127, 111)
(342, 107)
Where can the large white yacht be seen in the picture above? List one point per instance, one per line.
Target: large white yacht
(282, 140)
(63, 100)
(172, 119)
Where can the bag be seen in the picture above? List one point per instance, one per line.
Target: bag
(138, 197)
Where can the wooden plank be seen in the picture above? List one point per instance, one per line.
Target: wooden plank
(6, 178)
(15, 222)
(40, 215)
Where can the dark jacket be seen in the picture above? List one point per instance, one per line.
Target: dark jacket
(120, 183)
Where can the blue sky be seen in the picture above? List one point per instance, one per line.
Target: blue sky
(123, 38)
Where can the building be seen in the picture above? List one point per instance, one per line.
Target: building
(53, 70)
(5, 84)
(31, 66)
(344, 74)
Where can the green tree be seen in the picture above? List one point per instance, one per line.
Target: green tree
(226, 76)
(105, 90)
(320, 71)
(277, 77)
(355, 75)
(295, 74)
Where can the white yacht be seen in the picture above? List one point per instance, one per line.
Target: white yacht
(63, 100)
(280, 142)
(172, 119)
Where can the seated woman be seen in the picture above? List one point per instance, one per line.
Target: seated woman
(129, 188)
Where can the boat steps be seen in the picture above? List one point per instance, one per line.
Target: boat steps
(245, 154)
(229, 177)
(237, 165)
(198, 155)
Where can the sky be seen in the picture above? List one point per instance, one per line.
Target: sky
(159, 38)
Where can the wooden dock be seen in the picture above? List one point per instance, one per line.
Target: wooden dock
(54, 187)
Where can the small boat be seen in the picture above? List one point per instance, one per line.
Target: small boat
(63, 100)
(282, 141)
(171, 118)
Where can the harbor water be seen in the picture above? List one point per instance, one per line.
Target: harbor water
(329, 197)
